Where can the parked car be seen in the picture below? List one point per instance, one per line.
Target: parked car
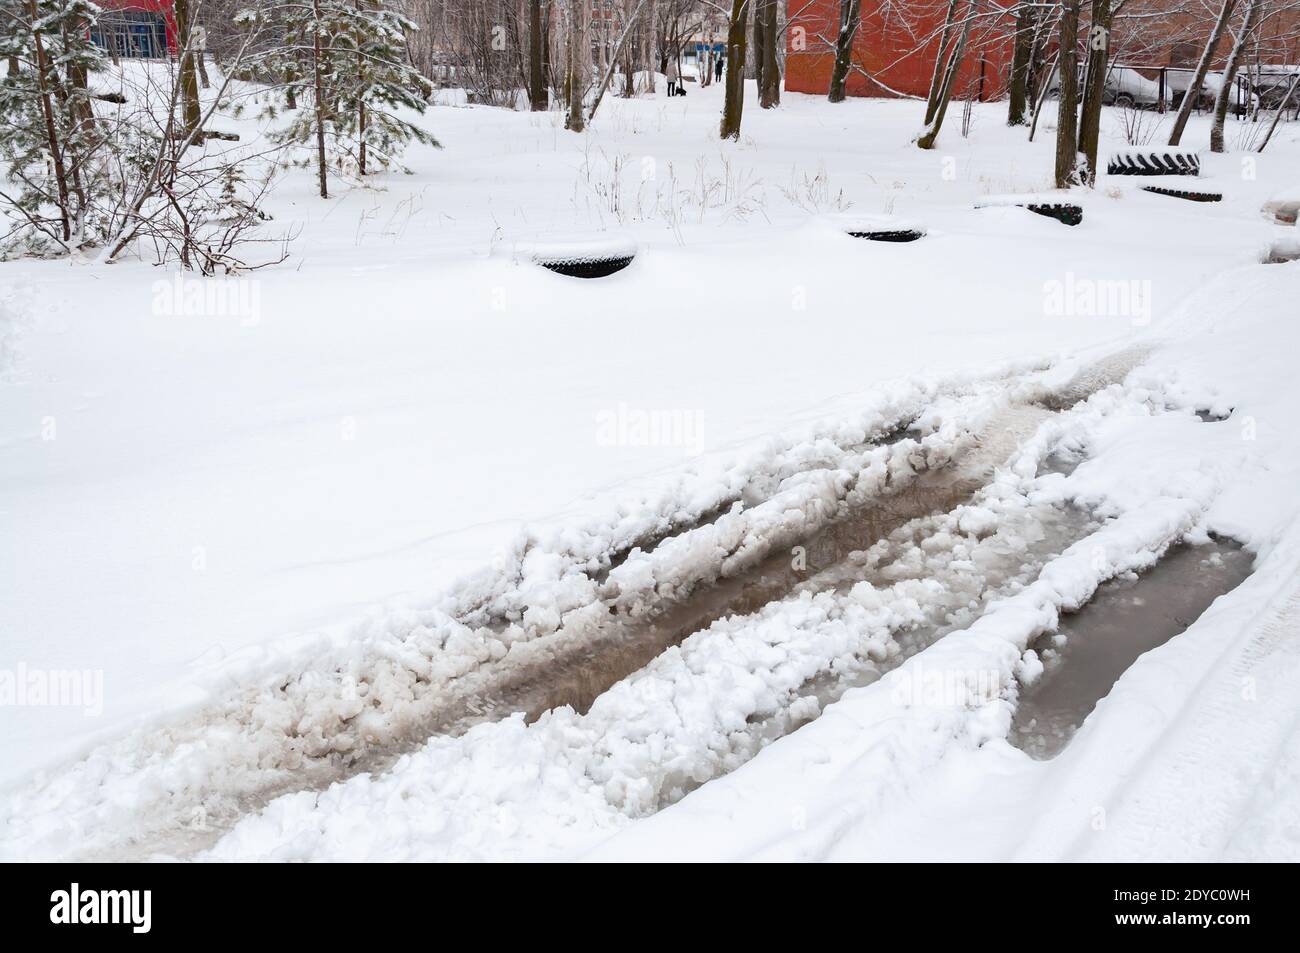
(1242, 102)
(1271, 86)
(1124, 87)
(1178, 81)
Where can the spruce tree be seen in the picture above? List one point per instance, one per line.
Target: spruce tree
(351, 57)
(48, 135)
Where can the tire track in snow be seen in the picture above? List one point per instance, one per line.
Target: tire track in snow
(182, 810)
(694, 712)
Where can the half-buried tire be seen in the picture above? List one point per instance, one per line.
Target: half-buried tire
(876, 228)
(593, 267)
(1063, 212)
(1191, 195)
(889, 235)
(588, 258)
(1067, 213)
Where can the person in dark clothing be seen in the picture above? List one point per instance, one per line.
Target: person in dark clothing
(717, 70)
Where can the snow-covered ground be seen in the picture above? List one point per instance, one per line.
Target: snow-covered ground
(300, 536)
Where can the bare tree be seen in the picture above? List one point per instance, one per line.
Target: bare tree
(1099, 35)
(1067, 123)
(577, 54)
(1193, 93)
(1022, 55)
(734, 103)
(188, 70)
(1224, 98)
(538, 100)
(769, 86)
(850, 23)
(953, 40)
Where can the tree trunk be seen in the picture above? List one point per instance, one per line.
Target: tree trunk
(943, 95)
(189, 76)
(361, 135)
(757, 42)
(79, 108)
(629, 65)
(650, 46)
(361, 106)
(1224, 99)
(1026, 19)
(201, 54)
(1038, 58)
(734, 103)
(940, 57)
(1098, 57)
(51, 133)
(548, 73)
(769, 89)
(1067, 123)
(1041, 94)
(538, 100)
(850, 23)
(577, 81)
(319, 86)
(1202, 69)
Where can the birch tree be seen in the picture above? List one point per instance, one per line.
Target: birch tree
(1224, 98)
(577, 54)
(1193, 93)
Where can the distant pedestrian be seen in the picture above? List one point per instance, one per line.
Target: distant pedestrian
(717, 70)
(671, 74)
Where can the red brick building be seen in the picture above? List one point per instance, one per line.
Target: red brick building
(895, 50)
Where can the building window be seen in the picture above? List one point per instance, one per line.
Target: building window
(131, 34)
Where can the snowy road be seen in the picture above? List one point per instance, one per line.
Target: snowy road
(807, 641)
(647, 670)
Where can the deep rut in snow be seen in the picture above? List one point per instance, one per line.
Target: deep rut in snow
(1124, 619)
(565, 669)
(573, 667)
(577, 677)
(552, 672)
